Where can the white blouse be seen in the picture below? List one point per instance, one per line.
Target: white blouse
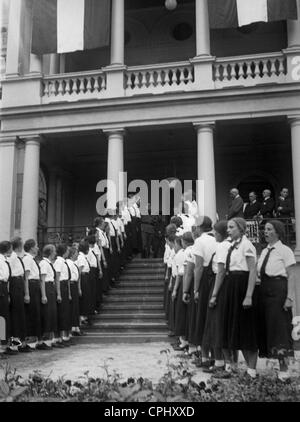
(32, 266)
(238, 259)
(47, 270)
(83, 262)
(220, 255)
(74, 270)
(17, 269)
(205, 247)
(280, 258)
(178, 261)
(4, 269)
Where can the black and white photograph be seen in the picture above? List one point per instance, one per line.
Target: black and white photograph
(150, 203)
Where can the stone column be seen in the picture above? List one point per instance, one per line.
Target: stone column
(117, 32)
(202, 29)
(295, 140)
(115, 166)
(206, 170)
(14, 38)
(35, 64)
(30, 194)
(294, 30)
(203, 60)
(7, 183)
(54, 64)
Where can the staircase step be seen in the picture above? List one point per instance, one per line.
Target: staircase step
(122, 338)
(140, 284)
(146, 270)
(131, 307)
(128, 327)
(147, 260)
(131, 277)
(142, 265)
(135, 299)
(142, 291)
(131, 316)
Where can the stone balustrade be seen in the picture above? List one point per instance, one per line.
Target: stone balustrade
(250, 70)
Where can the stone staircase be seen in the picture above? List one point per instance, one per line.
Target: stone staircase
(133, 312)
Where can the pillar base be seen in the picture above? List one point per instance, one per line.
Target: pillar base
(203, 72)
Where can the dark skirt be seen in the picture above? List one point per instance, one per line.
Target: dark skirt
(180, 312)
(192, 308)
(168, 294)
(4, 307)
(240, 325)
(74, 310)
(213, 331)
(49, 310)
(172, 308)
(128, 231)
(275, 324)
(94, 278)
(85, 302)
(204, 290)
(99, 289)
(63, 308)
(33, 310)
(115, 258)
(17, 307)
(134, 234)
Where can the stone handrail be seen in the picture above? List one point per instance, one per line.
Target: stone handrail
(73, 86)
(158, 78)
(250, 70)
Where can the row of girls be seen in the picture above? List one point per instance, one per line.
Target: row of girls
(221, 299)
(45, 302)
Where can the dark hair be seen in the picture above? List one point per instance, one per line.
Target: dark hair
(98, 221)
(279, 229)
(171, 237)
(91, 239)
(16, 243)
(188, 238)
(92, 232)
(170, 229)
(61, 249)
(72, 251)
(48, 250)
(5, 246)
(84, 246)
(29, 244)
(177, 221)
(206, 225)
(221, 228)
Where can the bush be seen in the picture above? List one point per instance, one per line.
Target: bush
(176, 385)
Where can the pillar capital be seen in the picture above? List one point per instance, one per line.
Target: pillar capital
(8, 141)
(294, 120)
(203, 126)
(32, 139)
(117, 131)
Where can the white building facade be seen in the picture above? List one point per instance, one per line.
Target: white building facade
(170, 97)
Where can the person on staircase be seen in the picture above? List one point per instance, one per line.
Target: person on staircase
(147, 231)
(75, 292)
(5, 271)
(85, 301)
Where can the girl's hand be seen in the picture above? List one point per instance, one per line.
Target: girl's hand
(288, 304)
(44, 300)
(186, 298)
(196, 297)
(27, 299)
(174, 294)
(58, 299)
(79, 293)
(213, 302)
(247, 302)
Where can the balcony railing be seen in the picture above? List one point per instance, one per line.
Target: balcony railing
(116, 82)
(249, 70)
(160, 78)
(73, 86)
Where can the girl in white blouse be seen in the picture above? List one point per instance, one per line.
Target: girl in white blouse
(276, 269)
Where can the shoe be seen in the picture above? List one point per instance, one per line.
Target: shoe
(75, 334)
(58, 345)
(16, 342)
(43, 346)
(213, 369)
(10, 352)
(222, 375)
(25, 349)
(180, 348)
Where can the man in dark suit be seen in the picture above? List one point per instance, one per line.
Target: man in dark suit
(252, 208)
(267, 206)
(284, 207)
(236, 206)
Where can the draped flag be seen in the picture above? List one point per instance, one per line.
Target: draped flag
(234, 13)
(63, 26)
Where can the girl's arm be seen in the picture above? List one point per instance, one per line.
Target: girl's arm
(247, 303)
(57, 283)
(176, 286)
(26, 287)
(218, 284)
(43, 289)
(187, 281)
(198, 275)
(291, 272)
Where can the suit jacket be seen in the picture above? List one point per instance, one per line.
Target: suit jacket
(287, 207)
(267, 208)
(251, 210)
(236, 208)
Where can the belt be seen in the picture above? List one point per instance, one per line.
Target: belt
(73, 281)
(64, 280)
(2, 281)
(238, 272)
(274, 278)
(34, 279)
